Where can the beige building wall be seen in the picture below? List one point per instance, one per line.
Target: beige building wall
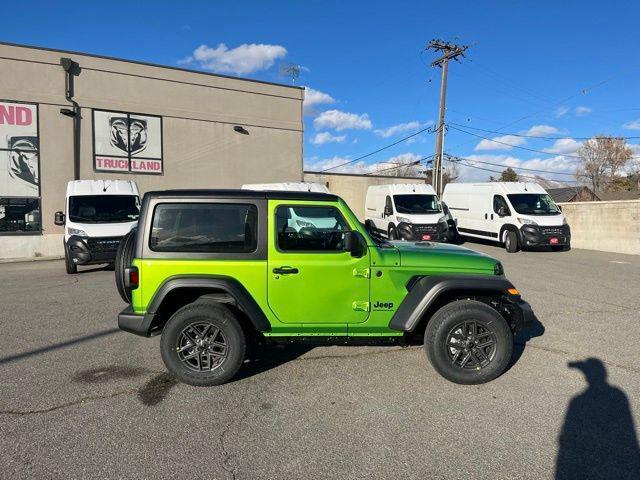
(200, 147)
(353, 188)
(607, 226)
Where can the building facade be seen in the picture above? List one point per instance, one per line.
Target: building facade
(67, 115)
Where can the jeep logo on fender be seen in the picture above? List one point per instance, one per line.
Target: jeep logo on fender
(383, 305)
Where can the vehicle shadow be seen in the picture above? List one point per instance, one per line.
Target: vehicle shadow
(598, 438)
(521, 338)
(262, 358)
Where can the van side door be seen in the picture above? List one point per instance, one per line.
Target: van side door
(501, 215)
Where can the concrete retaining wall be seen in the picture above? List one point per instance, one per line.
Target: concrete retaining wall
(353, 188)
(607, 226)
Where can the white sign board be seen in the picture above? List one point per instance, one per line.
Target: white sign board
(127, 142)
(19, 145)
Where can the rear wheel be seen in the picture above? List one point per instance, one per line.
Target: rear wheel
(468, 342)
(124, 257)
(393, 234)
(203, 344)
(71, 267)
(511, 242)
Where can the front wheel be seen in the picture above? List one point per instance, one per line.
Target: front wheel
(393, 234)
(70, 267)
(203, 344)
(511, 242)
(468, 342)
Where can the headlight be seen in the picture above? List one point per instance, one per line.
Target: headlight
(526, 221)
(498, 269)
(403, 220)
(302, 223)
(77, 231)
(442, 219)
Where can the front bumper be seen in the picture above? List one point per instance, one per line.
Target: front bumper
(91, 250)
(416, 232)
(522, 315)
(537, 236)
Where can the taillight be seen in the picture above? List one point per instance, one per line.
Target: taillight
(132, 278)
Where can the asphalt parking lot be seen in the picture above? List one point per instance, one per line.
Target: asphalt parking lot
(81, 399)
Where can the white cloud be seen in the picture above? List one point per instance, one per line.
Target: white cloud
(558, 163)
(510, 141)
(339, 121)
(315, 97)
(634, 125)
(315, 164)
(326, 137)
(541, 130)
(401, 128)
(564, 146)
(242, 60)
(561, 111)
(581, 111)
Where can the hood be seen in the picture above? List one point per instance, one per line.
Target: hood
(444, 256)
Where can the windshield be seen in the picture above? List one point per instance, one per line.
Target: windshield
(533, 204)
(417, 204)
(104, 208)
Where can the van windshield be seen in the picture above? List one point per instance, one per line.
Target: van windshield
(104, 208)
(533, 204)
(417, 204)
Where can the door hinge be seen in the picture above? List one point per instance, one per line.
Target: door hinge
(361, 272)
(361, 306)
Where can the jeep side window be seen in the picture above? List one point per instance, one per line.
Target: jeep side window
(313, 228)
(204, 228)
(500, 203)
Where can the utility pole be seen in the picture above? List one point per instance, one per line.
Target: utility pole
(449, 51)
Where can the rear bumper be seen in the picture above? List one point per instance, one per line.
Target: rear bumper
(135, 323)
(90, 250)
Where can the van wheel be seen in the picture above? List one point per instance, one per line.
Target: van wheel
(124, 258)
(511, 242)
(393, 235)
(468, 342)
(71, 267)
(203, 344)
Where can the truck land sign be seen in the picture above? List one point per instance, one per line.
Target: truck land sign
(127, 142)
(19, 159)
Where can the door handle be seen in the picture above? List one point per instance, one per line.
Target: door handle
(485, 216)
(492, 216)
(285, 270)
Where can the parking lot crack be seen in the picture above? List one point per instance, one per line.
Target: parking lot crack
(227, 457)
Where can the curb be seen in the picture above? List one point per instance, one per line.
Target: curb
(30, 259)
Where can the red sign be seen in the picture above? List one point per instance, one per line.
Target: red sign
(15, 115)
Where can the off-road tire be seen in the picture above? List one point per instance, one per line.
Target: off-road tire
(438, 332)
(393, 234)
(218, 315)
(124, 257)
(511, 244)
(71, 267)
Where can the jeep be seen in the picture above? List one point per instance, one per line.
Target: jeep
(213, 271)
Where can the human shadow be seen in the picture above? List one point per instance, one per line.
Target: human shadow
(598, 438)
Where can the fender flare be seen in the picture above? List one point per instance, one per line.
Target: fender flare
(510, 226)
(218, 283)
(425, 291)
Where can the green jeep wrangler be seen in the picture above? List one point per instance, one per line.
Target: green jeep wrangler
(215, 270)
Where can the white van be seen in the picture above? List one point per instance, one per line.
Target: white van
(518, 215)
(287, 187)
(97, 214)
(406, 212)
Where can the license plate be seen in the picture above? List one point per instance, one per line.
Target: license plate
(553, 241)
(426, 237)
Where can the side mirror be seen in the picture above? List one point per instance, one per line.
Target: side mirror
(388, 211)
(502, 211)
(354, 243)
(559, 207)
(58, 218)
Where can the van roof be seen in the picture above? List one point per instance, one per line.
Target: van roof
(102, 187)
(404, 188)
(238, 193)
(505, 187)
(288, 187)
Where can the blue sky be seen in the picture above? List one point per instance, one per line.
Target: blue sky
(546, 68)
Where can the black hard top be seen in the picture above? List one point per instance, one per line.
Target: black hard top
(268, 194)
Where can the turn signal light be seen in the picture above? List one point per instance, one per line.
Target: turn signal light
(513, 291)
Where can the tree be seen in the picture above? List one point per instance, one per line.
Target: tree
(507, 175)
(601, 159)
(450, 174)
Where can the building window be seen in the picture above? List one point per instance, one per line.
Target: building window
(19, 168)
(127, 142)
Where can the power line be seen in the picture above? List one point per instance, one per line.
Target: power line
(509, 166)
(415, 162)
(531, 136)
(377, 151)
(520, 174)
